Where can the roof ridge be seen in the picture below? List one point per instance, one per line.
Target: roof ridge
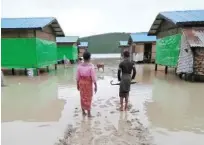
(71, 36)
(31, 23)
(138, 32)
(28, 17)
(182, 10)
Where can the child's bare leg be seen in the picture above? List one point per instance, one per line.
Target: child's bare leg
(121, 103)
(83, 112)
(126, 102)
(89, 113)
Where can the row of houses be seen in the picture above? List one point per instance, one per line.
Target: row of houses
(175, 39)
(36, 43)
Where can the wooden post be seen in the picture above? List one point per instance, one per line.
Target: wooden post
(131, 54)
(64, 65)
(25, 71)
(166, 69)
(155, 67)
(55, 66)
(37, 71)
(13, 71)
(180, 75)
(47, 68)
(175, 70)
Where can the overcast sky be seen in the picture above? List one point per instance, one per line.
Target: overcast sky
(88, 17)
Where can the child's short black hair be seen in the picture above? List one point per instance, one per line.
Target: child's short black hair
(126, 54)
(87, 55)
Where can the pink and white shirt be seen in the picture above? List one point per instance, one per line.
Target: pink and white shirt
(86, 70)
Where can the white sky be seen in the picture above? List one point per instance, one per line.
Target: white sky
(88, 17)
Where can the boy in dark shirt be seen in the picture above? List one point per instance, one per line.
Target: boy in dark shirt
(126, 67)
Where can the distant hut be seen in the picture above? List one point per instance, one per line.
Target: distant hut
(124, 46)
(82, 48)
(29, 42)
(180, 42)
(67, 47)
(142, 47)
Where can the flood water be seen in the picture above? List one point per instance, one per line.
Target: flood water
(37, 111)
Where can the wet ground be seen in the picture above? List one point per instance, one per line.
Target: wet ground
(45, 110)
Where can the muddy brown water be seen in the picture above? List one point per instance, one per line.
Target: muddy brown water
(37, 110)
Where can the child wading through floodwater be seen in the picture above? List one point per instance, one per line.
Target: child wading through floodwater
(86, 77)
(126, 67)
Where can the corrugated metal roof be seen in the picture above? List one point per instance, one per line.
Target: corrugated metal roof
(25, 22)
(195, 36)
(185, 16)
(31, 23)
(142, 37)
(123, 43)
(190, 17)
(83, 44)
(67, 39)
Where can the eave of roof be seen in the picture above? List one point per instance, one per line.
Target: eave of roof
(32, 23)
(123, 44)
(67, 39)
(178, 18)
(83, 44)
(141, 37)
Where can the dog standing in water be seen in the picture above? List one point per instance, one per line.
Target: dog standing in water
(100, 65)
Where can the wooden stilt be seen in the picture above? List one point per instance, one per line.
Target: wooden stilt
(13, 71)
(180, 75)
(155, 67)
(25, 71)
(175, 70)
(48, 69)
(55, 66)
(37, 71)
(166, 69)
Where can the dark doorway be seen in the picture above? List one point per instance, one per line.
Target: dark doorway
(147, 52)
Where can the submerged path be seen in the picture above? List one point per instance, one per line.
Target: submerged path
(108, 127)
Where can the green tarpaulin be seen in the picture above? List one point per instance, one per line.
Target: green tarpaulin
(27, 53)
(167, 50)
(68, 51)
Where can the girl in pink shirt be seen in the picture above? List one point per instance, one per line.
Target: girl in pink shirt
(86, 77)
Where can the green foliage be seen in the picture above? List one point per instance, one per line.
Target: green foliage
(105, 43)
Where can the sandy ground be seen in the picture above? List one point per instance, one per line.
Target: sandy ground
(46, 110)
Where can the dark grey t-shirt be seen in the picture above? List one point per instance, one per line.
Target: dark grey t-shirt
(126, 66)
